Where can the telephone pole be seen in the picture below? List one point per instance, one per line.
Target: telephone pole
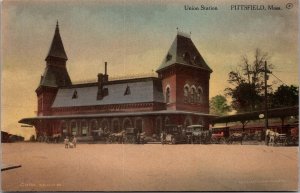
(266, 71)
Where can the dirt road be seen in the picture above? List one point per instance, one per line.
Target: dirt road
(152, 167)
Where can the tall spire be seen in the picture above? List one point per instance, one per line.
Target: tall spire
(56, 74)
(57, 48)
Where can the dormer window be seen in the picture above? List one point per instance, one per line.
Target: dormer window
(169, 57)
(75, 95)
(195, 58)
(127, 91)
(187, 57)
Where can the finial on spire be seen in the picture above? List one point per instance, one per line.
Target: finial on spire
(57, 26)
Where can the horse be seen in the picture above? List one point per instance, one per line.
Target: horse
(118, 137)
(55, 138)
(272, 136)
(205, 136)
(236, 137)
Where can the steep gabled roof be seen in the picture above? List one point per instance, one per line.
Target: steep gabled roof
(57, 48)
(184, 52)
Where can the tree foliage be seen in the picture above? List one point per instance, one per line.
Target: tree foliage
(285, 96)
(247, 82)
(218, 105)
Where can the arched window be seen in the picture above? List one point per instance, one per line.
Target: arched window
(74, 129)
(192, 96)
(94, 127)
(139, 124)
(64, 128)
(167, 121)
(201, 121)
(115, 125)
(199, 95)
(186, 94)
(84, 128)
(188, 121)
(168, 95)
(127, 123)
(104, 125)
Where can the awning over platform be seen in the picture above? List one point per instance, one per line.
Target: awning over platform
(32, 120)
(272, 113)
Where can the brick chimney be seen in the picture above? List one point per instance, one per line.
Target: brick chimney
(102, 80)
(105, 77)
(100, 87)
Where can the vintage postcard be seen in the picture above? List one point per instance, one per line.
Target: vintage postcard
(175, 95)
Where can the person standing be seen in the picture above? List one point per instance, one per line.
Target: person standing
(66, 141)
(74, 141)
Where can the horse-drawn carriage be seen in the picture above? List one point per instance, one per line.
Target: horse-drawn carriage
(128, 135)
(172, 134)
(219, 135)
(116, 137)
(54, 138)
(275, 138)
(134, 135)
(198, 134)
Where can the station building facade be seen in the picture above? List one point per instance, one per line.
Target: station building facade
(178, 95)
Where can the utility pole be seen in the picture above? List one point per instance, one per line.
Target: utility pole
(266, 71)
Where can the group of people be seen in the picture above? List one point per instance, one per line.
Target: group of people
(70, 143)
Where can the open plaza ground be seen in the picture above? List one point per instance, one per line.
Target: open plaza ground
(152, 167)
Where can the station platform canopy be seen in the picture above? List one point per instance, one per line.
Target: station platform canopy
(255, 115)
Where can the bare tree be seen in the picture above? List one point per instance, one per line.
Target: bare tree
(247, 82)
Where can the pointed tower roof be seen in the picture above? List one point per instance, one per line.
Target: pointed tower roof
(57, 48)
(184, 52)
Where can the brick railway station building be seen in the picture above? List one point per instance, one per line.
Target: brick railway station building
(179, 95)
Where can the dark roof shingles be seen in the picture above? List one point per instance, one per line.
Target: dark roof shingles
(180, 46)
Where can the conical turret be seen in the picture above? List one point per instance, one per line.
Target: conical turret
(56, 74)
(57, 50)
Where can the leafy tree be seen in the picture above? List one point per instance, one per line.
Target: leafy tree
(218, 105)
(285, 96)
(247, 82)
(243, 96)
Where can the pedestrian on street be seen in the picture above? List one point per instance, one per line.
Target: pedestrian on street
(66, 141)
(74, 141)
